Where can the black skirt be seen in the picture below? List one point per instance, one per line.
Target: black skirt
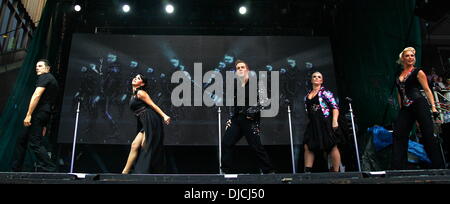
(151, 158)
(319, 134)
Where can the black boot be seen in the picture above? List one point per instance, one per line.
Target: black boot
(308, 170)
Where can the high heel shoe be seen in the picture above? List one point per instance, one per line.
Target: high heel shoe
(307, 169)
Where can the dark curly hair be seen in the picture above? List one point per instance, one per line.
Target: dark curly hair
(145, 86)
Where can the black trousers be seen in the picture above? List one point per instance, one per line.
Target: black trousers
(241, 126)
(418, 111)
(33, 136)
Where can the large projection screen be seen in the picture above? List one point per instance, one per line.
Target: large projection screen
(101, 67)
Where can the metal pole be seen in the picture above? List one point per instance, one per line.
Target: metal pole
(292, 141)
(220, 141)
(437, 128)
(436, 133)
(438, 105)
(354, 137)
(74, 138)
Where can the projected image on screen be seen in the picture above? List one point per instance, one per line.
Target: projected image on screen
(101, 68)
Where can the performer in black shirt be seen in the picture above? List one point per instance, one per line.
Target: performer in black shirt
(38, 115)
(244, 120)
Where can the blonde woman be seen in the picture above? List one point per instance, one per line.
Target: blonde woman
(414, 107)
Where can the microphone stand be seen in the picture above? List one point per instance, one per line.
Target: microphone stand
(354, 132)
(220, 140)
(292, 141)
(74, 138)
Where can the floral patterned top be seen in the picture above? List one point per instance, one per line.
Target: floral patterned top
(326, 99)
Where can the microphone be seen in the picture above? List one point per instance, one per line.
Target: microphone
(287, 102)
(436, 115)
(348, 99)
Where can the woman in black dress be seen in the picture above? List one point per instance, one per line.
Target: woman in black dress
(414, 107)
(147, 150)
(319, 135)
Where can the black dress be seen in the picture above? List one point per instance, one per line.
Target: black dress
(151, 158)
(319, 134)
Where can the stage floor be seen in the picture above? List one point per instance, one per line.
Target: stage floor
(382, 177)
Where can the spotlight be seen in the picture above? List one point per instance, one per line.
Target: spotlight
(126, 8)
(243, 10)
(77, 8)
(169, 8)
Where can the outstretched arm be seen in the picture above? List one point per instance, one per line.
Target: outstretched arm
(424, 82)
(142, 95)
(262, 102)
(33, 103)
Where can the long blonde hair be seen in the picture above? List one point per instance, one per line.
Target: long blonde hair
(400, 56)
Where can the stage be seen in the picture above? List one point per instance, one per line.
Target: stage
(381, 177)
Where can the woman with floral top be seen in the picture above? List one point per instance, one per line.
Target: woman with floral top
(323, 112)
